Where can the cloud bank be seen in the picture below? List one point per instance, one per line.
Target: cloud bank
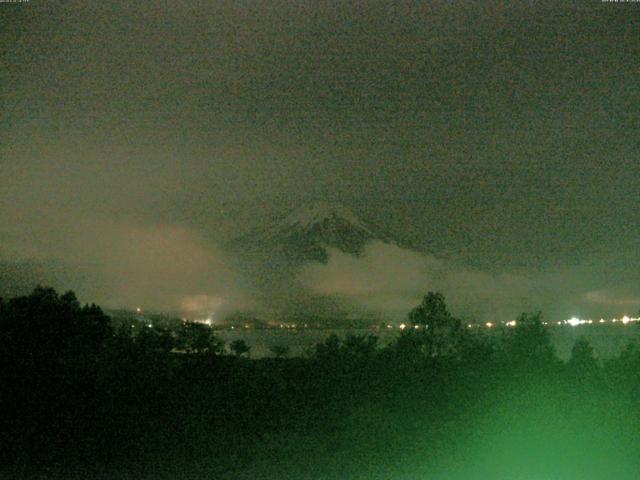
(392, 280)
(127, 264)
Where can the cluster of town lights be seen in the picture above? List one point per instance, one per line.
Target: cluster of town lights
(574, 322)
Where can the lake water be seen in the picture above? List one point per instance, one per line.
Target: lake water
(607, 340)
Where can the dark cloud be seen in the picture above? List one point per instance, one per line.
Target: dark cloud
(495, 135)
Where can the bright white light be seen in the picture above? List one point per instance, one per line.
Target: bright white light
(489, 324)
(138, 309)
(511, 323)
(602, 320)
(574, 322)
(206, 321)
(402, 326)
(625, 319)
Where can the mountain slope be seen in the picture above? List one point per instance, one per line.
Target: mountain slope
(273, 257)
(306, 233)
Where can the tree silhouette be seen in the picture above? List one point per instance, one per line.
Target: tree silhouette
(329, 350)
(582, 356)
(45, 325)
(279, 351)
(360, 347)
(439, 332)
(51, 349)
(198, 338)
(528, 343)
(239, 347)
(152, 339)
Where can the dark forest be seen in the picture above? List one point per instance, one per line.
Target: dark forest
(84, 400)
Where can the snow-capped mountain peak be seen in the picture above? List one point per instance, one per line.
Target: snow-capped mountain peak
(307, 233)
(308, 216)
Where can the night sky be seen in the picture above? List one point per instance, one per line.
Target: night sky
(501, 138)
